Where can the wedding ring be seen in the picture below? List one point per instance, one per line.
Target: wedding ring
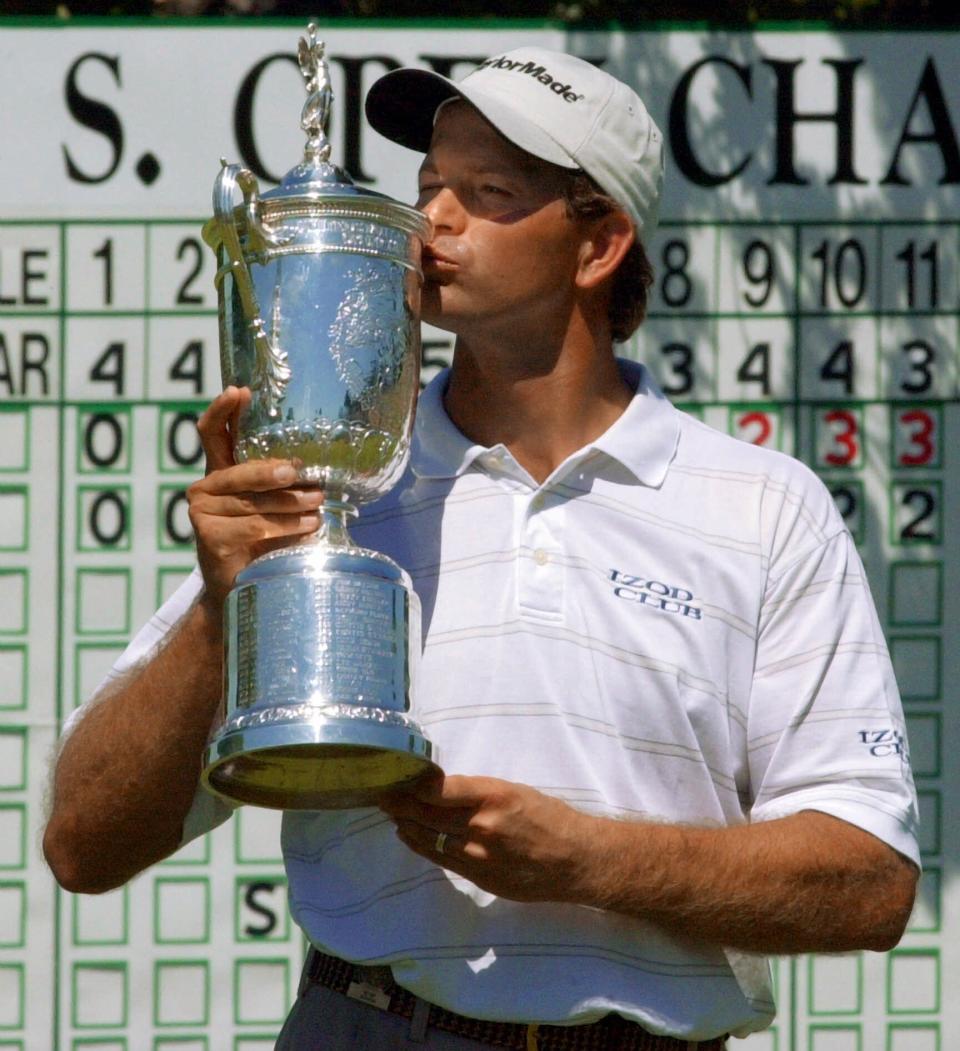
(440, 843)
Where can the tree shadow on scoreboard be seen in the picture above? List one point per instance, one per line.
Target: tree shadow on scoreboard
(842, 147)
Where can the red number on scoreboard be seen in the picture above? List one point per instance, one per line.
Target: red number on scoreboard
(919, 433)
(754, 427)
(844, 430)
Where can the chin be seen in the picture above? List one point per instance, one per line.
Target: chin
(432, 311)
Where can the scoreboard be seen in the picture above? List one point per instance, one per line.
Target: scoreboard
(807, 298)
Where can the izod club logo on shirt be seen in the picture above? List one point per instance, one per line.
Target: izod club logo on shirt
(654, 594)
(883, 742)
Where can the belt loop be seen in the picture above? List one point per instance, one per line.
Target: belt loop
(419, 1021)
(533, 1040)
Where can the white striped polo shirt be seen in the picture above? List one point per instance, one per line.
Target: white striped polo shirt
(674, 626)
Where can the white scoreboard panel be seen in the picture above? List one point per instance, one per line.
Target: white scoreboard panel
(807, 298)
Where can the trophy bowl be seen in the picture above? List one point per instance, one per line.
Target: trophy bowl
(318, 287)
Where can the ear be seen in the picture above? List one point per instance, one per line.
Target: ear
(606, 241)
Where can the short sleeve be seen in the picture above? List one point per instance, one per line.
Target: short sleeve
(825, 724)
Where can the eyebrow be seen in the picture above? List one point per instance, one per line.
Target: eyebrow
(486, 169)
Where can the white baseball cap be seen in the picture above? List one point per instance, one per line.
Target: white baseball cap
(550, 104)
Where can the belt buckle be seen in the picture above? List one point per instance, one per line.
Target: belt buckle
(371, 986)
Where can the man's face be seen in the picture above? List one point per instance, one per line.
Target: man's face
(503, 255)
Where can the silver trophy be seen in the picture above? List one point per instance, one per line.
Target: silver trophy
(319, 293)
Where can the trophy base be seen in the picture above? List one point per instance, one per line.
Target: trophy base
(324, 763)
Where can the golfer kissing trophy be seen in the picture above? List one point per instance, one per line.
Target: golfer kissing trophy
(319, 295)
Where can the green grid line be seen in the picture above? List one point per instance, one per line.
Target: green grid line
(23, 733)
(18, 969)
(108, 967)
(163, 883)
(19, 409)
(201, 966)
(896, 955)
(24, 575)
(17, 888)
(21, 862)
(23, 651)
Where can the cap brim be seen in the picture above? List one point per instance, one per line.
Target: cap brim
(402, 106)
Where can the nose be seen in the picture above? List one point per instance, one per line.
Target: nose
(445, 211)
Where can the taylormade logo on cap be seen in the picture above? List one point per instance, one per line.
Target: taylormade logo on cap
(565, 91)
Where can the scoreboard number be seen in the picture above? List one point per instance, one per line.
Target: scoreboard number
(758, 425)
(919, 268)
(916, 436)
(838, 437)
(176, 532)
(188, 295)
(180, 448)
(848, 496)
(104, 441)
(915, 512)
(839, 269)
(103, 518)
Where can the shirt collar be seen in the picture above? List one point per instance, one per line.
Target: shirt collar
(643, 439)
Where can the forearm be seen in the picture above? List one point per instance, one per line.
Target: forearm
(127, 773)
(807, 883)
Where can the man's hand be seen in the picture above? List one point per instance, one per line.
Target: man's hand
(241, 511)
(506, 838)
(805, 883)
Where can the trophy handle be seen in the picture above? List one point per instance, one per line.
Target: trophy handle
(271, 373)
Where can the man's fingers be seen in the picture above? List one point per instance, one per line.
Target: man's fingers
(272, 502)
(254, 476)
(455, 790)
(223, 540)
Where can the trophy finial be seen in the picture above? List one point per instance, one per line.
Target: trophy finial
(316, 110)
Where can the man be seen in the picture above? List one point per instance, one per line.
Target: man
(650, 654)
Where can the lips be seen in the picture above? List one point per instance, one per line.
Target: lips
(437, 260)
(438, 269)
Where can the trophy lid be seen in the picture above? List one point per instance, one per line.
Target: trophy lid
(313, 190)
(315, 177)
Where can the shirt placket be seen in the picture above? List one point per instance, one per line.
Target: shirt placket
(541, 566)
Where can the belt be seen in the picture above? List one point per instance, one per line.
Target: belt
(611, 1033)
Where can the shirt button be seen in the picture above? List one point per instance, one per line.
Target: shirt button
(541, 557)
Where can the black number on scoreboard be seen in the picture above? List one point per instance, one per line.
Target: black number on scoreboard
(759, 269)
(103, 439)
(681, 368)
(844, 272)
(675, 285)
(921, 527)
(847, 497)
(107, 518)
(175, 509)
(920, 359)
(105, 252)
(912, 261)
(188, 366)
(191, 248)
(110, 367)
(839, 366)
(183, 441)
(755, 367)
